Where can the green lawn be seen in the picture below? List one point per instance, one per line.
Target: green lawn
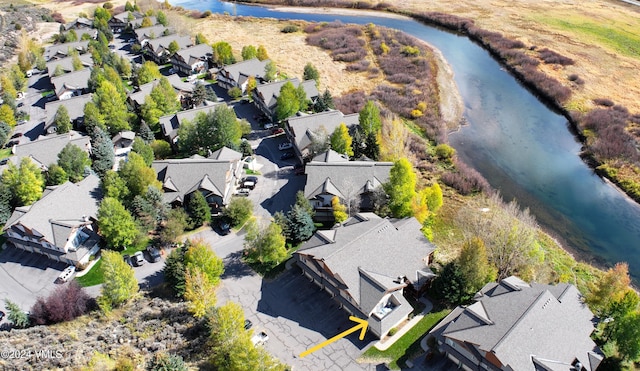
(93, 277)
(409, 344)
(5, 152)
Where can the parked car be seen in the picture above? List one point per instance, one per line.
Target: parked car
(247, 324)
(251, 178)
(4, 161)
(269, 125)
(127, 259)
(16, 135)
(154, 254)
(286, 155)
(66, 274)
(242, 192)
(138, 259)
(21, 122)
(225, 227)
(11, 143)
(248, 184)
(277, 131)
(285, 146)
(260, 338)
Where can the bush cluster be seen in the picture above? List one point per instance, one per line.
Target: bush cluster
(551, 57)
(612, 141)
(465, 179)
(346, 43)
(64, 304)
(351, 102)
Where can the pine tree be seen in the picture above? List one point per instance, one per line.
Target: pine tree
(300, 225)
(61, 120)
(199, 209)
(145, 132)
(102, 151)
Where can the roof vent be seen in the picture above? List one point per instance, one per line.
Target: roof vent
(85, 218)
(399, 279)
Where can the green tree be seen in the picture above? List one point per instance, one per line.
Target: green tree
(210, 132)
(7, 115)
(249, 52)
(101, 151)
(120, 284)
(145, 132)
(369, 118)
(223, 53)
(174, 271)
(177, 221)
(265, 246)
(341, 141)
(324, 102)
(200, 256)
(450, 285)
(114, 186)
(74, 161)
(627, 337)
(288, 102)
(93, 118)
(339, 210)
(167, 362)
(261, 53)
(161, 149)
(25, 182)
(311, 73)
(17, 317)
(128, 7)
(199, 94)
(116, 225)
(61, 120)
(76, 63)
(110, 104)
(58, 71)
(300, 225)
(199, 293)
(56, 175)
(201, 39)
(111, 75)
(6, 197)
(235, 92)
(143, 149)
(445, 152)
(146, 22)
(17, 77)
(137, 175)
(226, 326)
(150, 112)
(270, 71)
(199, 209)
(150, 209)
(5, 130)
(173, 47)
(148, 72)
(372, 147)
(401, 188)
(474, 266)
(239, 210)
(162, 18)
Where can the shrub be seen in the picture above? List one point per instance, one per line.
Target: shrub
(235, 92)
(445, 152)
(551, 57)
(57, 17)
(205, 14)
(359, 66)
(64, 304)
(603, 102)
(465, 180)
(393, 331)
(239, 210)
(351, 102)
(291, 28)
(18, 26)
(575, 78)
(196, 14)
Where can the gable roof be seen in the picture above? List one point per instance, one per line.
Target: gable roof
(67, 64)
(137, 22)
(180, 85)
(63, 49)
(344, 178)
(181, 177)
(270, 92)
(303, 127)
(78, 23)
(124, 16)
(75, 107)
(60, 210)
(226, 154)
(511, 317)
(147, 32)
(44, 151)
(194, 53)
(73, 81)
(331, 156)
(171, 123)
(240, 71)
(378, 248)
(142, 91)
(163, 42)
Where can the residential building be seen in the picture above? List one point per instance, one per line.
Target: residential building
(71, 84)
(75, 108)
(301, 130)
(44, 151)
(136, 99)
(368, 264)
(183, 89)
(355, 183)
(65, 65)
(143, 35)
(171, 123)
(265, 96)
(513, 325)
(122, 145)
(137, 22)
(191, 60)
(158, 49)
(90, 33)
(215, 177)
(80, 23)
(237, 75)
(59, 51)
(62, 225)
(120, 21)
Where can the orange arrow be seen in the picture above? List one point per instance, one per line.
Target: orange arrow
(362, 324)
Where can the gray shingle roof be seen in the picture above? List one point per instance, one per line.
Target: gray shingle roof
(124, 16)
(195, 53)
(171, 123)
(63, 49)
(226, 154)
(72, 81)
(516, 322)
(183, 176)
(138, 21)
(374, 245)
(44, 151)
(79, 23)
(61, 210)
(270, 92)
(303, 127)
(180, 85)
(251, 67)
(142, 92)
(75, 107)
(352, 177)
(67, 64)
(331, 156)
(160, 43)
(150, 32)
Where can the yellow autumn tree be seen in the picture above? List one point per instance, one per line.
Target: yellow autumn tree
(339, 210)
(199, 292)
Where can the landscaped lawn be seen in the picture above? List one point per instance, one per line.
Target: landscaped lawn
(409, 344)
(93, 277)
(5, 152)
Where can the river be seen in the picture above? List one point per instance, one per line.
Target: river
(523, 148)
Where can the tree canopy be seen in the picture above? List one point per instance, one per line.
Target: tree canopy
(148, 72)
(116, 224)
(111, 105)
(74, 161)
(265, 245)
(120, 284)
(249, 52)
(137, 175)
(369, 118)
(223, 53)
(341, 141)
(401, 188)
(262, 53)
(311, 73)
(24, 181)
(101, 151)
(210, 132)
(61, 120)
(199, 209)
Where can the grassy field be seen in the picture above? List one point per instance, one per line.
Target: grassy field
(409, 344)
(93, 277)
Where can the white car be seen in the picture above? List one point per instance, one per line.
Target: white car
(285, 146)
(268, 125)
(67, 273)
(138, 259)
(260, 338)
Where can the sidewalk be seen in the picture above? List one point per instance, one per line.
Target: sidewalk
(408, 326)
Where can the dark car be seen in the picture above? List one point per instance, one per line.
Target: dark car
(11, 144)
(225, 227)
(154, 254)
(2, 316)
(127, 259)
(286, 155)
(251, 178)
(16, 135)
(277, 131)
(247, 324)
(298, 169)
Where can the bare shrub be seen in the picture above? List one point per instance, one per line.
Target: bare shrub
(603, 102)
(551, 57)
(195, 14)
(344, 42)
(58, 17)
(359, 66)
(465, 179)
(64, 304)
(351, 102)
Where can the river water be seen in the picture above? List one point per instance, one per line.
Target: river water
(523, 148)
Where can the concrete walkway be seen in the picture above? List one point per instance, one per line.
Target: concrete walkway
(389, 342)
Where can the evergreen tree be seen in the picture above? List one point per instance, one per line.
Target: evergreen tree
(372, 147)
(174, 271)
(311, 73)
(199, 94)
(74, 161)
(150, 208)
(324, 102)
(300, 225)
(101, 151)
(5, 202)
(4, 133)
(16, 316)
(177, 222)
(145, 133)
(116, 225)
(450, 285)
(341, 141)
(61, 120)
(120, 284)
(199, 209)
(249, 52)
